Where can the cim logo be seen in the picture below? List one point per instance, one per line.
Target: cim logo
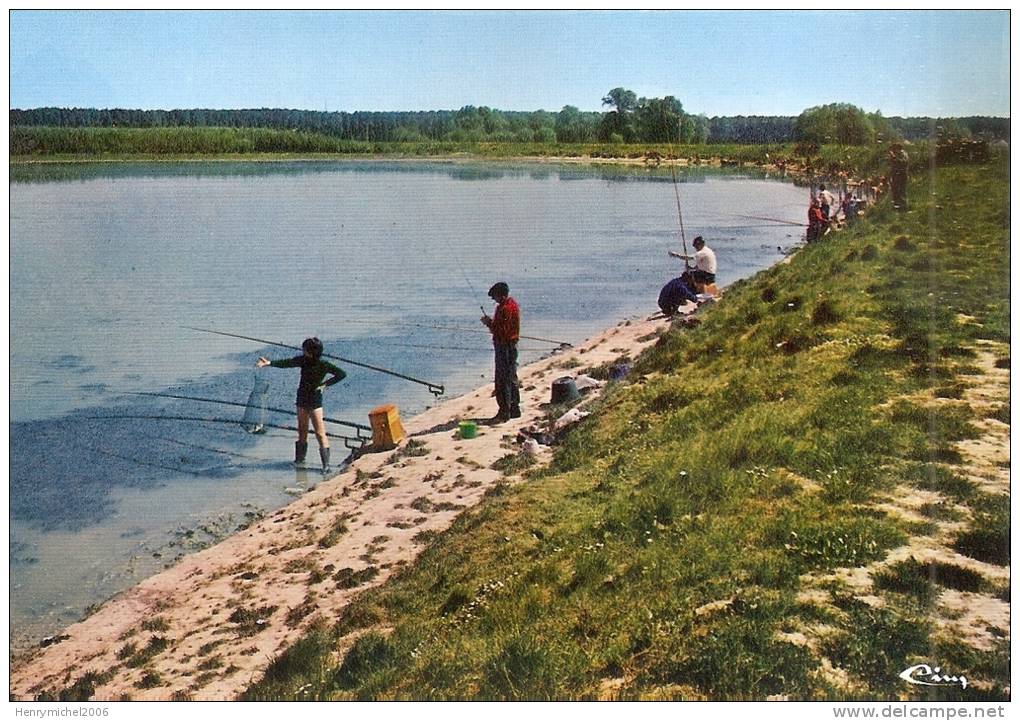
(924, 675)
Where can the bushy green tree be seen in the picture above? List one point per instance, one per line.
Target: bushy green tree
(622, 100)
(618, 121)
(544, 134)
(884, 130)
(573, 126)
(834, 123)
(660, 120)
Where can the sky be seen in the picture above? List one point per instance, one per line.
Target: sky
(902, 63)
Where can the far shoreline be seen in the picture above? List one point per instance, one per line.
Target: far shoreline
(648, 161)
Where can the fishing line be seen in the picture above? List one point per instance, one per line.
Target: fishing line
(199, 399)
(456, 329)
(478, 296)
(129, 459)
(481, 303)
(434, 388)
(174, 441)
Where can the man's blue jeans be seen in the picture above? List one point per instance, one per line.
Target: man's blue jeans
(508, 395)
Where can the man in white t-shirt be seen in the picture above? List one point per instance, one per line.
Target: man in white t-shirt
(825, 200)
(703, 272)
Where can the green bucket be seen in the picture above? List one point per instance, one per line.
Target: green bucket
(468, 429)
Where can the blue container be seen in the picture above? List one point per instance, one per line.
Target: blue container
(618, 371)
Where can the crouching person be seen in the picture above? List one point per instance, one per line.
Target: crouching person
(676, 293)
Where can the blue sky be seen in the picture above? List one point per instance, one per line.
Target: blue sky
(936, 63)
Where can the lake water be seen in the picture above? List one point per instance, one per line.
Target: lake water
(110, 262)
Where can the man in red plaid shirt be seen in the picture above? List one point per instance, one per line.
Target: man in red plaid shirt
(505, 326)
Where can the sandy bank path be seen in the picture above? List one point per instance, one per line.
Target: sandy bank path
(215, 621)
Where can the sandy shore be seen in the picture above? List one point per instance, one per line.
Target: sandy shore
(220, 616)
(651, 160)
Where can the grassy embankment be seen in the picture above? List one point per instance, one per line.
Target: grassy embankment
(185, 143)
(683, 542)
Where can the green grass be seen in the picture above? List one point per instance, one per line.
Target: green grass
(987, 537)
(28, 143)
(150, 679)
(938, 478)
(135, 659)
(36, 141)
(661, 553)
(337, 529)
(876, 644)
(158, 624)
(513, 463)
(250, 621)
(922, 580)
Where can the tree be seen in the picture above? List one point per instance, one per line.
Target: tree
(659, 120)
(541, 119)
(545, 134)
(573, 126)
(624, 101)
(834, 123)
(617, 122)
(882, 127)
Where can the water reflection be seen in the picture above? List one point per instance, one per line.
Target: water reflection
(44, 172)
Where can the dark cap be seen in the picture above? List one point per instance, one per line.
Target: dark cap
(698, 239)
(499, 290)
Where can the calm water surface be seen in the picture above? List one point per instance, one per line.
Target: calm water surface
(109, 263)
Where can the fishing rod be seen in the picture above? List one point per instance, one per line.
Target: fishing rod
(561, 343)
(130, 416)
(750, 227)
(457, 348)
(676, 191)
(771, 220)
(358, 426)
(481, 304)
(434, 388)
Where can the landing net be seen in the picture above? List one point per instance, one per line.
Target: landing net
(255, 412)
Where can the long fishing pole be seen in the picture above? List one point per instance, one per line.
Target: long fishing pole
(750, 227)
(199, 419)
(459, 330)
(676, 191)
(434, 388)
(772, 220)
(457, 347)
(350, 424)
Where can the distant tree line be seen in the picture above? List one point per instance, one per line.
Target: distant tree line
(845, 124)
(629, 119)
